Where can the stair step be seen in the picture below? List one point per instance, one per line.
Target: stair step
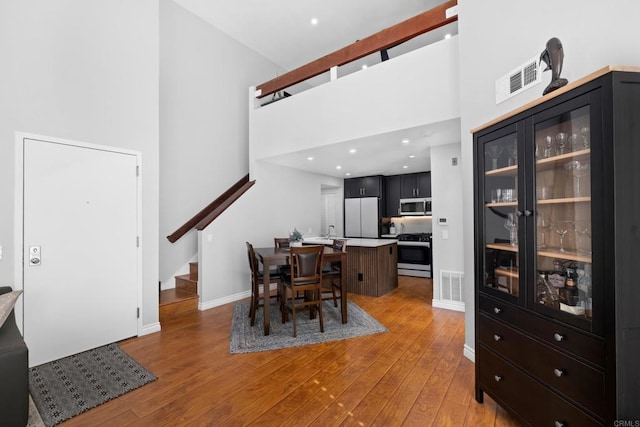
(193, 270)
(187, 283)
(177, 301)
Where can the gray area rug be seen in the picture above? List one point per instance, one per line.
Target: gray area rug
(67, 387)
(247, 339)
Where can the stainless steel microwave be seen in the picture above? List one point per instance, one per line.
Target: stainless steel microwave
(416, 207)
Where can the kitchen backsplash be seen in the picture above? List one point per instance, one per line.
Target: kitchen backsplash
(412, 224)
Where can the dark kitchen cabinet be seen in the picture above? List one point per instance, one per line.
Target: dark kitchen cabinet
(368, 186)
(556, 253)
(392, 195)
(415, 185)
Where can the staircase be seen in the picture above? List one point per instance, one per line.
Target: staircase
(183, 298)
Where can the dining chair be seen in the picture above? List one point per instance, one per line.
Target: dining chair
(258, 299)
(332, 274)
(305, 275)
(281, 242)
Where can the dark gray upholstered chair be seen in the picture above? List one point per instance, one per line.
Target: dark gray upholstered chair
(332, 274)
(257, 277)
(305, 277)
(14, 373)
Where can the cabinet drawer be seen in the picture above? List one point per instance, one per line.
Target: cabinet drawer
(574, 379)
(533, 402)
(558, 336)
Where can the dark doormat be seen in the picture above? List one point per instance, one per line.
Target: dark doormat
(67, 387)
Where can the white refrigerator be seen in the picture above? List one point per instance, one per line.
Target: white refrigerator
(361, 217)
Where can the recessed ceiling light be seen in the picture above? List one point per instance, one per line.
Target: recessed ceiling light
(309, 158)
(405, 167)
(447, 36)
(348, 174)
(353, 150)
(405, 141)
(314, 21)
(412, 156)
(338, 167)
(364, 67)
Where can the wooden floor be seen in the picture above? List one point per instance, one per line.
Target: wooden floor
(413, 375)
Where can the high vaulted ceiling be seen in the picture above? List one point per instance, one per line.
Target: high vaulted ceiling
(281, 30)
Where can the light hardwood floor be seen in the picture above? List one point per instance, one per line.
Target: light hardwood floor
(412, 375)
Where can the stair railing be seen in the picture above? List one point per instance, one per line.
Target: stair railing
(379, 42)
(203, 218)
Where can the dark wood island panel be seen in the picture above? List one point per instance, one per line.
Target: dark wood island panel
(372, 271)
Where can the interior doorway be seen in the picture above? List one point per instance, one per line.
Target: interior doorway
(331, 212)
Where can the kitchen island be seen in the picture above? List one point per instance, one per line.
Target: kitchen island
(372, 264)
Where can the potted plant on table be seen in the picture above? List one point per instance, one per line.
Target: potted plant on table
(295, 238)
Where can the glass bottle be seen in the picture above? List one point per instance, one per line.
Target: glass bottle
(546, 294)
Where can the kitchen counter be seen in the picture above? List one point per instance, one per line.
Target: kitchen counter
(365, 243)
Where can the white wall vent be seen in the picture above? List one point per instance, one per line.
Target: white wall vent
(525, 76)
(451, 291)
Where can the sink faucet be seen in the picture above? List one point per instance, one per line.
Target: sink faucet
(329, 231)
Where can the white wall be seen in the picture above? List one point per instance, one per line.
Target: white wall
(414, 89)
(85, 71)
(498, 35)
(204, 141)
(446, 192)
(281, 199)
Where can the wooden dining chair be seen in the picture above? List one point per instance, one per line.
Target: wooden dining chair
(332, 274)
(305, 275)
(281, 242)
(258, 299)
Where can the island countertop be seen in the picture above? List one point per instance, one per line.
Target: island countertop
(366, 243)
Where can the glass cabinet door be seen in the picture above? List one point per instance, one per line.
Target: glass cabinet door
(501, 222)
(563, 248)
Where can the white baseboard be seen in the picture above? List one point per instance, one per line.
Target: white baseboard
(449, 305)
(206, 305)
(150, 329)
(231, 298)
(469, 353)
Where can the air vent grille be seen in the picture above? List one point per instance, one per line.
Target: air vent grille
(515, 82)
(518, 80)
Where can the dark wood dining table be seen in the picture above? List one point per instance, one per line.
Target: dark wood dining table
(280, 256)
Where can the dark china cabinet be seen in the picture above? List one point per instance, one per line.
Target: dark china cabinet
(557, 254)
(368, 186)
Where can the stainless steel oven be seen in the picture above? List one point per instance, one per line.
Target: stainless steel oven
(414, 254)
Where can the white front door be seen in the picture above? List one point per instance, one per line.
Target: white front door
(80, 269)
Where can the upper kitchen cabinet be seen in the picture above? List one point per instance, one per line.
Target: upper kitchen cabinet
(367, 186)
(392, 195)
(415, 185)
(556, 252)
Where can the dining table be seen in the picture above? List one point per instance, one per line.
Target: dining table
(272, 256)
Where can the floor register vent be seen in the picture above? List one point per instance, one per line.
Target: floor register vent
(525, 76)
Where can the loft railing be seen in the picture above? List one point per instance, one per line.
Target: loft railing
(378, 42)
(203, 218)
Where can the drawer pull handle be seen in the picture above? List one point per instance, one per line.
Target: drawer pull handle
(558, 337)
(497, 310)
(497, 337)
(558, 424)
(558, 372)
(498, 378)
